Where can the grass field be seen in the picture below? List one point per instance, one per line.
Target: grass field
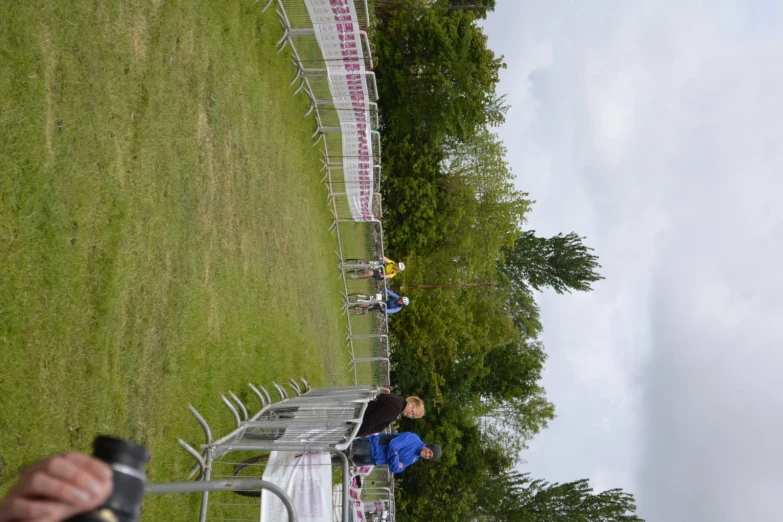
(163, 235)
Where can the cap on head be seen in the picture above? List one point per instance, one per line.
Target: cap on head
(436, 451)
(406, 301)
(401, 265)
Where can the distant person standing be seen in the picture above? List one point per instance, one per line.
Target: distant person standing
(385, 409)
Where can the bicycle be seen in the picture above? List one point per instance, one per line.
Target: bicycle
(251, 467)
(355, 267)
(360, 304)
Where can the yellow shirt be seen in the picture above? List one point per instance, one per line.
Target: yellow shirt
(389, 269)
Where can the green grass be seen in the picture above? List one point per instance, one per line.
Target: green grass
(163, 235)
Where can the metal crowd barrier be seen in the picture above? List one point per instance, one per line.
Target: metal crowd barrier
(297, 16)
(313, 420)
(318, 86)
(330, 106)
(329, 115)
(310, 56)
(332, 137)
(341, 208)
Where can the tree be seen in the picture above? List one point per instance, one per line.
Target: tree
(522, 306)
(515, 497)
(446, 490)
(479, 7)
(436, 74)
(441, 343)
(514, 406)
(560, 262)
(437, 82)
(481, 210)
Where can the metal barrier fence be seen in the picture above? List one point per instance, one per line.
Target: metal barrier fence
(309, 52)
(342, 210)
(361, 248)
(333, 102)
(329, 114)
(295, 13)
(301, 437)
(319, 88)
(367, 336)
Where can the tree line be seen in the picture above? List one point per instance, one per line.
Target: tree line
(469, 343)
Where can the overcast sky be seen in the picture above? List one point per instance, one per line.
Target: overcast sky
(655, 128)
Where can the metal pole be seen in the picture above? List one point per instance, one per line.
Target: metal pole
(224, 485)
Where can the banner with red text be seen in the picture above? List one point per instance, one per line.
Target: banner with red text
(336, 29)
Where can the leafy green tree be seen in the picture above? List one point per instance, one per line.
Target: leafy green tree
(437, 79)
(493, 208)
(479, 6)
(447, 490)
(522, 306)
(437, 76)
(561, 262)
(478, 209)
(467, 344)
(515, 497)
(460, 346)
(514, 407)
(446, 335)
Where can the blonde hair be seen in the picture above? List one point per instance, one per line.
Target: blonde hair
(418, 403)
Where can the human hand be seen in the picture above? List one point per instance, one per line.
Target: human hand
(57, 488)
(399, 464)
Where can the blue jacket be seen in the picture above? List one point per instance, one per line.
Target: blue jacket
(391, 303)
(404, 448)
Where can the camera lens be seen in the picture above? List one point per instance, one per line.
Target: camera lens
(127, 461)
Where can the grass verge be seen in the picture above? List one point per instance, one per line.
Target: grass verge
(163, 235)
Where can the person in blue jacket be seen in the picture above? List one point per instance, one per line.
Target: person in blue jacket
(398, 450)
(394, 303)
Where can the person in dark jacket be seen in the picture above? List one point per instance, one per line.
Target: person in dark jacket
(385, 409)
(398, 451)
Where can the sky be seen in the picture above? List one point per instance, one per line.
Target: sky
(655, 130)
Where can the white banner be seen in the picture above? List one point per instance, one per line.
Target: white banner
(339, 42)
(336, 29)
(307, 480)
(353, 108)
(345, 82)
(332, 11)
(357, 168)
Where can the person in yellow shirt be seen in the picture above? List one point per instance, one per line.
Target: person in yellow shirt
(388, 270)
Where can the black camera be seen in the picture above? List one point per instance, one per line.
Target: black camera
(127, 461)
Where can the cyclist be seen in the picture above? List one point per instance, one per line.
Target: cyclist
(394, 303)
(387, 271)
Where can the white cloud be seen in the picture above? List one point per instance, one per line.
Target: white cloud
(654, 129)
